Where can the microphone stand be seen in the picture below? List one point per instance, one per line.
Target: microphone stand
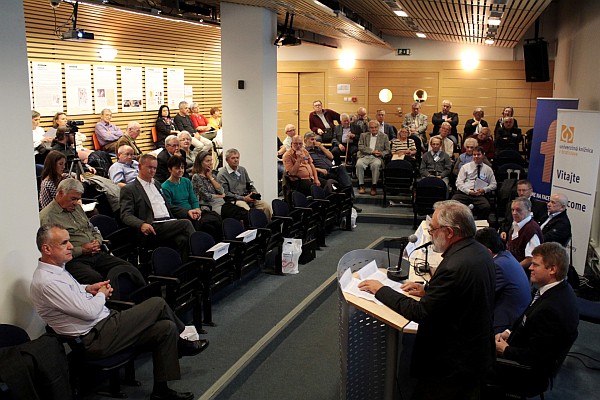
(397, 274)
(425, 267)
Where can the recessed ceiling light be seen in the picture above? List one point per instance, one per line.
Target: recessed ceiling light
(421, 35)
(489, 41)
(495, 22)
(401, 13)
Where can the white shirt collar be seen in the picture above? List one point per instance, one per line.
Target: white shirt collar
(522, 223)
(544, 288)
(229, 169)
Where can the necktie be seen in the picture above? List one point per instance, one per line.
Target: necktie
(479, 171)
(535, 296)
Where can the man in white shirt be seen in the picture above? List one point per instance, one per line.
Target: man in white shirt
(525, 233)
(474, 181)
(144, 207)
(71, 309)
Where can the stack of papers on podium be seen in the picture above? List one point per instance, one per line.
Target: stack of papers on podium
(349, 284)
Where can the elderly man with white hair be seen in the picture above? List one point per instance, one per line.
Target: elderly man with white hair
(171, 149)
(416, 123)
(126, 169)
(107, 133)
(556, 227)
(134, 129)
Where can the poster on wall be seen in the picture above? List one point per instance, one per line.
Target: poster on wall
(188, 93)
(105, 88)
(78, 82)
(542, 146)
(575, 174)
(155, 88)
(175, 87)
(131, 89)
(47, 87)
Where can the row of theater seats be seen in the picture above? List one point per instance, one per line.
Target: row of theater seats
(189, 285)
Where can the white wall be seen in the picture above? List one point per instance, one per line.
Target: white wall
(18, 197)
(248, 54)
(576, 67)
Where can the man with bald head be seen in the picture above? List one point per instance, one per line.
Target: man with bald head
(107, 133)
(126, 169)
(445, 116)
(360, 121)
(556, 227)
(134, 129)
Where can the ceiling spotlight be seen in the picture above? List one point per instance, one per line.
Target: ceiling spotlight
(489, 41)
(421, 35)
(493, 21)
(401, 13)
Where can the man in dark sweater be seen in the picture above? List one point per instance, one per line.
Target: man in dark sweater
(525, 234)
(182, 120)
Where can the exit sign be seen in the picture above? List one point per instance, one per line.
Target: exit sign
(403, 52)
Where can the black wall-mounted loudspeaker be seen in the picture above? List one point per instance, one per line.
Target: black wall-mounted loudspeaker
(536, 61)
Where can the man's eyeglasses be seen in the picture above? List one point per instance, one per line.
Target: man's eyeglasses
(430, 229)
(290, 130)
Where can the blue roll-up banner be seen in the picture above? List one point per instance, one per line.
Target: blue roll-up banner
(542, 148)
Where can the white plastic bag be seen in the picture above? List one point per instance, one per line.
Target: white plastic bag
(353, 218)
(292, 248)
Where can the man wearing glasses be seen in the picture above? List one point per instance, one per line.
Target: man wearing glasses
(454, 347)
(171, 149)
(321, 121)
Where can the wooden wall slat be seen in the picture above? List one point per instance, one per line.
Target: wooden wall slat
(142, 40)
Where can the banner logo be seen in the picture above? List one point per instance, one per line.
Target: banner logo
(567, 134)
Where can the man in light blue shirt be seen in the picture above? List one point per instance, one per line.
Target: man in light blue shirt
(126, 169)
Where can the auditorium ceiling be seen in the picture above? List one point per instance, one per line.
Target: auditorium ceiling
(504, 22)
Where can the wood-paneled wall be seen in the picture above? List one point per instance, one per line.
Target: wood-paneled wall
(141, 40)
(492, 86)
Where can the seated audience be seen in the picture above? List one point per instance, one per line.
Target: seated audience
(91, 263)
(200, 123)
(373, 147)
(543, 335)
(145, 208)
(126, 169)
(290, 132)
(107, 133)
(436, 163)
(133, 131)
(485, 141)
(508, 137)
(525, 234)
(447, 143)
(300, 168)
(384, 127)
(556, 226)
(322, 121)
(183, 122)
(164, 125)
(359, 121)
(474, 181)
(60, 120)
(179, 193)
(475, 124)
(403, 147)
(345, 140)
(185, 145)
(513, 293)
(214, 121)
(238, 185)
(76, 310)
(538, 208)
(507, 112)
(171, 149)
(416, 123)
(64, 143)
(40, 141)
(210, 192)
(467, 155)
(52, 174)
(322, 160)
(446, 116)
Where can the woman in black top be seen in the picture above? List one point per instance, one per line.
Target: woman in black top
(164, 125)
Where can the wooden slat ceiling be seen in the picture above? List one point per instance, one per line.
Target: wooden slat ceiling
(461, 21)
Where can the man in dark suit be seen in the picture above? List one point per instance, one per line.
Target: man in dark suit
(538, 208)
(556, 226)
(455, 344)
(171, 149)
(385, 127)
(445, 116)
(144, 207)
(345, 139)
(543, 335)
(508, 137)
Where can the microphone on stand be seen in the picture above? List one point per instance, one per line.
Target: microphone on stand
(424, 267)
(400, 273)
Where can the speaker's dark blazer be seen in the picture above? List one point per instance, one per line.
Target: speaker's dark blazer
(455, 338)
